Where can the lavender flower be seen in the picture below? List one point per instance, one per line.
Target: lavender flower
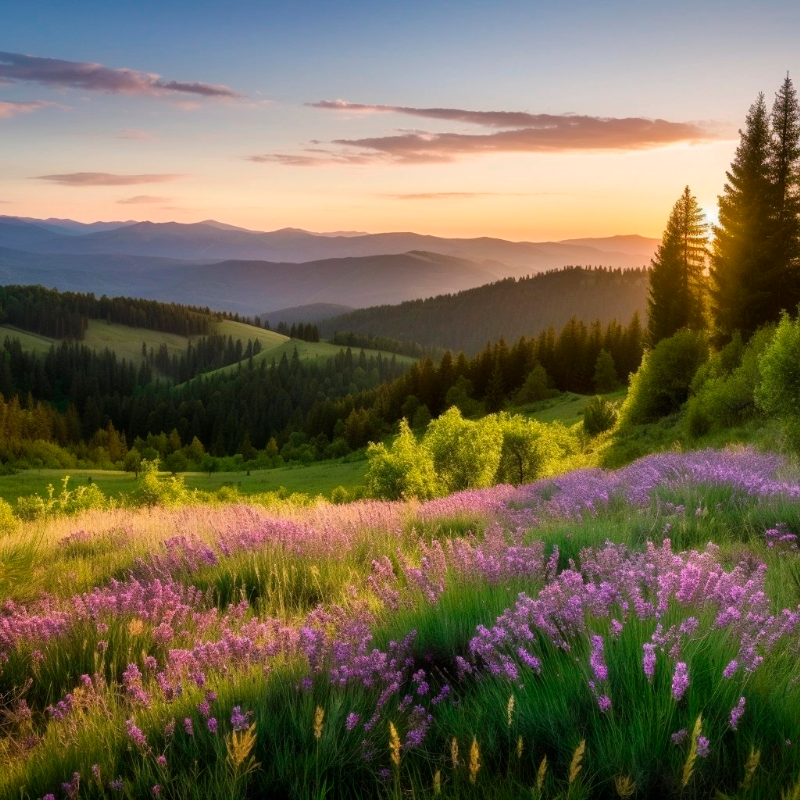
(679, 736)
(680, 680)
(736, 713)
(703, 747)
(596, 659)
(649, 660)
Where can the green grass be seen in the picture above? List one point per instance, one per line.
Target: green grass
(33, 342)
(318, 478)
(239, 330)
(306, 351)
(567, 407)
(126, 342)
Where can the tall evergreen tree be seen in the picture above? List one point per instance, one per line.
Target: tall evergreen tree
(677, 284)
(784, 165)
(741, 272)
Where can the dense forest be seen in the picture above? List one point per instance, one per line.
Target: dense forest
(509, 308)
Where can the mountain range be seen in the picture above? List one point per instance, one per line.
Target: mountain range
(230, 268)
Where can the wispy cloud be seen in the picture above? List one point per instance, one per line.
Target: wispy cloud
(105, 179)
(19, 68)
(136, 134)
(140, 199)
(512, 132)
(455, 195)
(10, 108)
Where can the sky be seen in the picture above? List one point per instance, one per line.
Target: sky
(522, 120)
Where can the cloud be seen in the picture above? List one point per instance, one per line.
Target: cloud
(314, 157)
(105, 179)
(456, 195)
(136, 134)
(19, 68)
(143, 198)
(10, 108)
(511, 132)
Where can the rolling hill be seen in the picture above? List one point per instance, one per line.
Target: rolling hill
(255, 272)
(509, 308)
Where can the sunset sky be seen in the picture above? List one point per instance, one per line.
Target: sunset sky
(524, 120)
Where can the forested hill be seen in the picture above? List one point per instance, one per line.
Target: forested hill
(509, 308)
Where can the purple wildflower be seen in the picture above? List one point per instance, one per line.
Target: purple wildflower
(679, 736)
(240, 721)
(135, 734)
(680, 680)
(649, 660)
(352, 720)
(703, 747)
(188, 726)
(211, 724)
(736, 713)
(730, 670)
(596, 659)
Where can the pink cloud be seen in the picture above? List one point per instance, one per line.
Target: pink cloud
(512, 132)
(19, 68)
(140, 199)
(105, 179)
(10, 108)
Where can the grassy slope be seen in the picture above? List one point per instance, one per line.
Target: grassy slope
(567, 408)
(320, 478)
(307, 351)
(126, 342)
(29, 341)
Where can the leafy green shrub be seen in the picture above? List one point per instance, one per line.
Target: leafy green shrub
(466, 454)
(155, 491)
(403, 470)
(661, 384)
(723, 390)
(599, 416)
(456, 454)
(67, 501)
(778, 392)
(8, 522)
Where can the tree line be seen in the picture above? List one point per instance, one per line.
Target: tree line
(508, 308)
(750, 274)
(65, 315)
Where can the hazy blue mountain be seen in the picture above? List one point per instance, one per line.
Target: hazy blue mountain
(214, 241)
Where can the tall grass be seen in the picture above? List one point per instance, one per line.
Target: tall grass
(349, 651)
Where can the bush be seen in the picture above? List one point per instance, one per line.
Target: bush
(403, 470)
(778, 391)
(723, 390)
(599, 416)
(155, 491)
(457, 454)
(466, 454)
(8, 522)
(67, 501)
(661, 384)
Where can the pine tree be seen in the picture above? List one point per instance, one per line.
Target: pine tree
(677, 285)
(784, 166)
(740, 264)
(605, 373)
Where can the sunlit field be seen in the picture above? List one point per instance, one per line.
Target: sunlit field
(598, 634)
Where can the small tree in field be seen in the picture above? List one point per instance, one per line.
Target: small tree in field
(403, 470)
(605, 373)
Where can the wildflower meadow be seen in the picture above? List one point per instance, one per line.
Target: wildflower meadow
(601, 634)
